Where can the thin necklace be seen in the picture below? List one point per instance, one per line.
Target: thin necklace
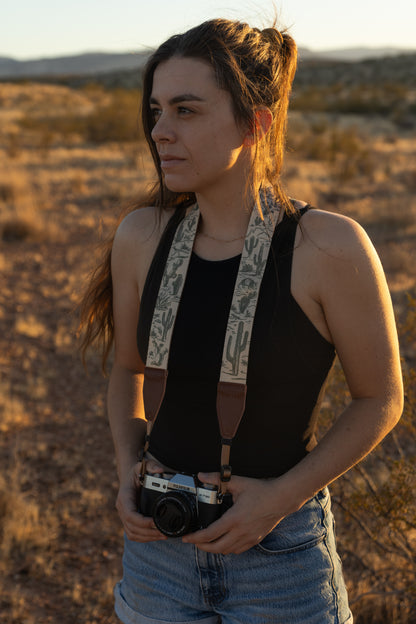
(222, 240)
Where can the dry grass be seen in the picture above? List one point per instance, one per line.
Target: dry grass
(12, 410)
(27, 532)
(60, 194)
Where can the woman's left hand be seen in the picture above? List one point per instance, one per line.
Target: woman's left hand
(255, 512)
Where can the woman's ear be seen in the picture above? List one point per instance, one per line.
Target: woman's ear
(260, 126)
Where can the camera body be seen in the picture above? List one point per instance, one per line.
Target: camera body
(180, 503)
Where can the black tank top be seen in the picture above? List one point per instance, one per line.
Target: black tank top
(289, 361)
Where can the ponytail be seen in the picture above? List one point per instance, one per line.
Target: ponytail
(257, 69)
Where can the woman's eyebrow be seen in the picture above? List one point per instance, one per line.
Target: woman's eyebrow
(184, 97)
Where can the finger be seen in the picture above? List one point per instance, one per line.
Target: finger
(140, 528)
(233, 486)
(228, 544)
(224, 545)
(213, 478)
(227, 522)
(137, 519)
(153, 467)
(138, 531)
(215, 531)
(148, 532)
(144, 536)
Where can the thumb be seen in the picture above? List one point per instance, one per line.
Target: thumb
(153, 467)
(213, 478)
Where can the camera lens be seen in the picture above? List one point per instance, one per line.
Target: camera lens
(175, 513)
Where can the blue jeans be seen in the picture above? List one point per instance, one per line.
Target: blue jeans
(292, 577)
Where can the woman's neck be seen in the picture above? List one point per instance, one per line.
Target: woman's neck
(222, 226)
(225, 219)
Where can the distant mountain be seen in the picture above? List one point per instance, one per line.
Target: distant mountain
(93, 64)
(79, 65)
(391, 70)
(353, 54)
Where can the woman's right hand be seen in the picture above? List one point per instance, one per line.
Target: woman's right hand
(138, 528)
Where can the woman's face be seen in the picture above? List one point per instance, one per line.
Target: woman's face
(201, 147)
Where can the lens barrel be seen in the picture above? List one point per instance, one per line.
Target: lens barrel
(175, 513)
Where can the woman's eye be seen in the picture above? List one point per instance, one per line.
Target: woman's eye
(155, 112)
(182, 111)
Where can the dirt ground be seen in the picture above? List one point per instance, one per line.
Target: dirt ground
(61, 540)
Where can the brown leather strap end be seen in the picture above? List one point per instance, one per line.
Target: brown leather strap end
(142, 454)
(154, 387)
(231, 402)
(142, 470)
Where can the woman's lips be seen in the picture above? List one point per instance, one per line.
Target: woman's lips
(167, 161)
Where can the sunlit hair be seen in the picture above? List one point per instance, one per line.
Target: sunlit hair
(257, 68)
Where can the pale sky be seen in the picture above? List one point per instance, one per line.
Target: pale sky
(47, 28)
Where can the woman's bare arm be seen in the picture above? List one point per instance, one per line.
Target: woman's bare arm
(131, 255)
(348, 285)
(125, 408)
(353, 294)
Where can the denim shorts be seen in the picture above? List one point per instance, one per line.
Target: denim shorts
(293, 576)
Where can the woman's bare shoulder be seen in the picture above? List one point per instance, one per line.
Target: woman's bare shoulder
(142, 225)
(135, 244)
(337, 235)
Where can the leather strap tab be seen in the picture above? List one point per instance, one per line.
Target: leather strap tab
(154, 387)
(231, 402)
(225, 451)
(142, 454)
(226, 470)
(225, 474)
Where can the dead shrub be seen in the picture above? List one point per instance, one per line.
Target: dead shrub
(13, 415)
(12, 145)
(375, 508)
(408, 179)
(116, 120)
(342, 149)
(341, 97)
(17, 230)
(7, 192)
(348, 156)
(24, 530)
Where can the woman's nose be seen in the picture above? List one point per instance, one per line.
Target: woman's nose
(162, 130)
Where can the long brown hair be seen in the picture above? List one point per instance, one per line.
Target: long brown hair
(257, 68)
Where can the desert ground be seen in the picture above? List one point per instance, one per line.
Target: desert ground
(66, 176)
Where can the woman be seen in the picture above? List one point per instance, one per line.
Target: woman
(214, 112)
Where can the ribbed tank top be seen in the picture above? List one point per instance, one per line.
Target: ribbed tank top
(289, 361)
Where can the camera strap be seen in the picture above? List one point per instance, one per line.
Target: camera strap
(232, 387)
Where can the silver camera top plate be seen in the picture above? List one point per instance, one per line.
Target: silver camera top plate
(180, 482)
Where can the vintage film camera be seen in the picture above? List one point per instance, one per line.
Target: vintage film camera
(180, 503)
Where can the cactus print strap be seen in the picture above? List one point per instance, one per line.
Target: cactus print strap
(170, 291)
(232, 388)
(246, 291)
(232, 385)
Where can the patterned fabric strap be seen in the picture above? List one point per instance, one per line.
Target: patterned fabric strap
(170, 291)
(252, 264)
(246, 291)
(232, 388)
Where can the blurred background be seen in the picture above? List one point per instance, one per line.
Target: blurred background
(72, 161)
